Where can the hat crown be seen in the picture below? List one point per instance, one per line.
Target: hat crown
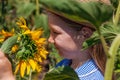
(91, 13)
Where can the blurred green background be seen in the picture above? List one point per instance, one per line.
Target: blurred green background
(32, 11)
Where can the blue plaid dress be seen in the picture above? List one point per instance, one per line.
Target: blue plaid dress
(88, 71)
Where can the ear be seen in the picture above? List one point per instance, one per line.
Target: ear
(87, 32)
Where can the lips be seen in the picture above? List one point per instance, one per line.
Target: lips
(55, 46)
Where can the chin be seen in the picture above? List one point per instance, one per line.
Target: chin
(64, 55)
(61, 54)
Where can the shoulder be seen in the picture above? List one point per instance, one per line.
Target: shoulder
(89, 71)
(64, 62)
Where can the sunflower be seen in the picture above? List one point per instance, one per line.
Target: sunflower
(30, 49)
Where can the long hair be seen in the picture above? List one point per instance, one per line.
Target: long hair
(99, 57)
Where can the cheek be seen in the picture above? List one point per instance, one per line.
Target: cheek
(66, 43)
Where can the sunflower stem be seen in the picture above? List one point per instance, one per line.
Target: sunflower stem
(110, 61)
(117, 15)
(37, 7)
(113, 49)
(104, 44)
(30, 75)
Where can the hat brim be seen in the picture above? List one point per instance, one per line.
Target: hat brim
(84, 23)
(91, 14)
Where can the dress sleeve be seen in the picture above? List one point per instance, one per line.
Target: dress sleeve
(64, 62)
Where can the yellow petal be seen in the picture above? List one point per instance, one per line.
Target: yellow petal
(13, 30)
(19, 23)
(17, 68)
(43, 53)
(36, 34)
(3, 32)
(27, 32)
(22, 68)
(32, 64)
(23, 20)
(40, 59)
(42, 41)
(19, 38)
(28, 68)
(1, 39)
(24, 27)
(14, 48)
(6, 34)
(38, 68)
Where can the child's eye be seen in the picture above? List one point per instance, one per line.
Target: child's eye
(55, 32)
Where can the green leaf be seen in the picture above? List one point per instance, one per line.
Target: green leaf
(115, 3)
(7, 44)
(20, 53)
(109, 31)
(41, 21)
(61, 73)
(25, 9)
(94, 13)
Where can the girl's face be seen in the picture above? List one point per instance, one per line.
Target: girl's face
(62, 36)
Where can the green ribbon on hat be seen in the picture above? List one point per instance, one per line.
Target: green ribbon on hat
(93, 12)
